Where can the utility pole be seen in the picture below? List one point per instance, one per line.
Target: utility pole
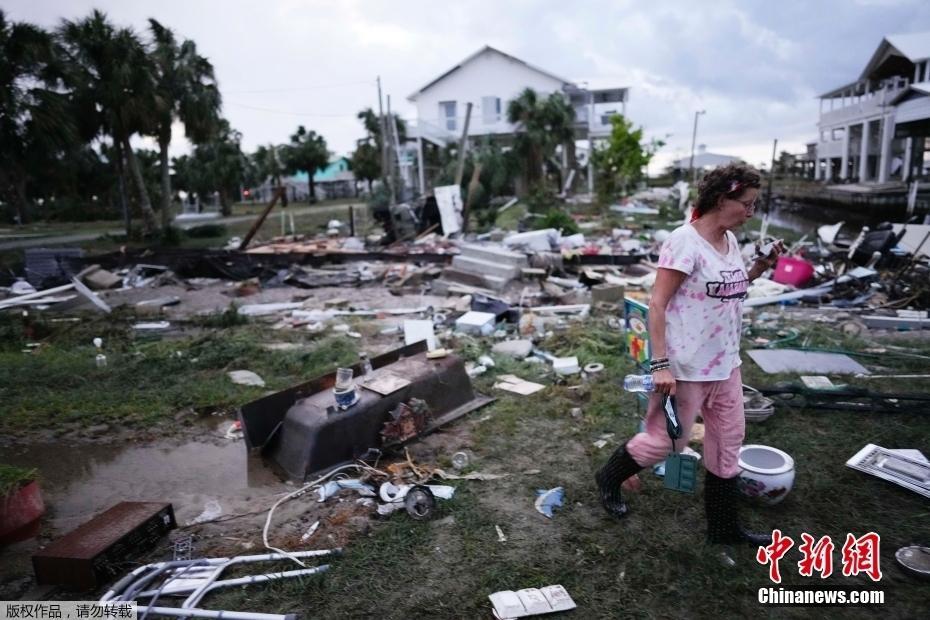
(590, 143)
(768, 198)
(693, 142)
(393, 152)
(383, 126)
(460, 169)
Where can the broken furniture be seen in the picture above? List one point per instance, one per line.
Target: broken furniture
(301, 430)
(907, 468)
(88, 556)
(196, 578)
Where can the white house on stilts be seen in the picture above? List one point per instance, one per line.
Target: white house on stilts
(876, 130)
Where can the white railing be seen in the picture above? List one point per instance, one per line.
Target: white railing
(863, 109)
(433, 133)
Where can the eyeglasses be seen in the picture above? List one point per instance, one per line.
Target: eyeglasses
(749, 206)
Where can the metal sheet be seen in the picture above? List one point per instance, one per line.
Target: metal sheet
(775, 361)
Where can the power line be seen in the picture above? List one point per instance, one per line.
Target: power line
(296, 88)
(287, 112)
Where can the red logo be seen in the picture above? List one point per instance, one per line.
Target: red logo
(859, 555)
(817, 557)
(773, 553)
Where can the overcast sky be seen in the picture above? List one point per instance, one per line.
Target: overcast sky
(755, 66)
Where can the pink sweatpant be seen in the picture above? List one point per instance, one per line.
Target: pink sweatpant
(721, 404)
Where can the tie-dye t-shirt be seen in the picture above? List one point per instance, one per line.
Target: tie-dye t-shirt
(704, 316)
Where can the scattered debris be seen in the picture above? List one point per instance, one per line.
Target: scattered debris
(211, 510)
(245, 377)
(512, 383)
(518, 349)
(907, 468)
(531, 602)
(500, 534)
(775, 361)
(548, 500)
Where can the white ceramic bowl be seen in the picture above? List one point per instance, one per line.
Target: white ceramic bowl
(767, 474)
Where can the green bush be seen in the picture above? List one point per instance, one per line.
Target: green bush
(559, 220)
(206, 231)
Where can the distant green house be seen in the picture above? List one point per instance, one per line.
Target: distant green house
(334, 181)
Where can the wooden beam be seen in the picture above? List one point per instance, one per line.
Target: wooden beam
(261, 219)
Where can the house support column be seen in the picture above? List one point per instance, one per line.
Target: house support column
(908, 154)
(864, 153)
(829, 172)
(816, 168)
(421, 173)
(884, 159)
(844, 165)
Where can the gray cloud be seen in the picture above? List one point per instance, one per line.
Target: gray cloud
(756, 66)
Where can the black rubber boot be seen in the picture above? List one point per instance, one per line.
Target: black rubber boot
(721, 497)
(619, 467)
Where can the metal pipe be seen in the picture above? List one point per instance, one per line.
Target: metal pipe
(225, 583)
(210, 613)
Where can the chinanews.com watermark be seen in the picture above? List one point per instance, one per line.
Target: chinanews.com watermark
(859, 555)
(812, 596)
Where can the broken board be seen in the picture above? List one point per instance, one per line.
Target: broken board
(512, 383)
(386, 384)
(775, 361)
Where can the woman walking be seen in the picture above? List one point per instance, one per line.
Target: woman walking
(695, 320)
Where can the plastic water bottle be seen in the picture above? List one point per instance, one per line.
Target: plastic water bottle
(365, 364)
(638, 383)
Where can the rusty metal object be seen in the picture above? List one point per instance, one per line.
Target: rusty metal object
(96, 551)
(407, 421)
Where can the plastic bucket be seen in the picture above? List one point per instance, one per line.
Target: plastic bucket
(794, 271)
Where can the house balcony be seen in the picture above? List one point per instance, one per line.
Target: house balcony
(432, 132)
(861, 110)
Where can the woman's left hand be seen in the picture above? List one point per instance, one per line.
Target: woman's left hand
(764, 263)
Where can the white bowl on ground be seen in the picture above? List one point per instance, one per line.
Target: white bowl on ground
(766, 473)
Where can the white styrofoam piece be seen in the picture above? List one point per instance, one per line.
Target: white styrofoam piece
(416, 330)
(478, 323)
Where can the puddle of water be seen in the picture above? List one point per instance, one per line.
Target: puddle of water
(79, 481)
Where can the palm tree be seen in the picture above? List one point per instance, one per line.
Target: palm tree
(223, 163)
(114, 87)
(187, 91)
(541, 125)
(269, 166)
(307, 151)
(35, 120)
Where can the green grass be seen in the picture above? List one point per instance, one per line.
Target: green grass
(654, 564)
(12, 478)
(145, 382)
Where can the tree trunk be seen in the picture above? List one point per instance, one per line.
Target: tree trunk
(121, 182)
(225, 208)
(369, 186)
(151, 222)
(22, 203)
(312, 187)
(164, 139)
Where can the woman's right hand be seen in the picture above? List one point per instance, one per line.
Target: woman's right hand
(664, 382)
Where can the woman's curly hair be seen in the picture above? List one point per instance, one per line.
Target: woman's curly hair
(729, 181)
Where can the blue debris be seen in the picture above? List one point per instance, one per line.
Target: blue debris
(546, 500)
